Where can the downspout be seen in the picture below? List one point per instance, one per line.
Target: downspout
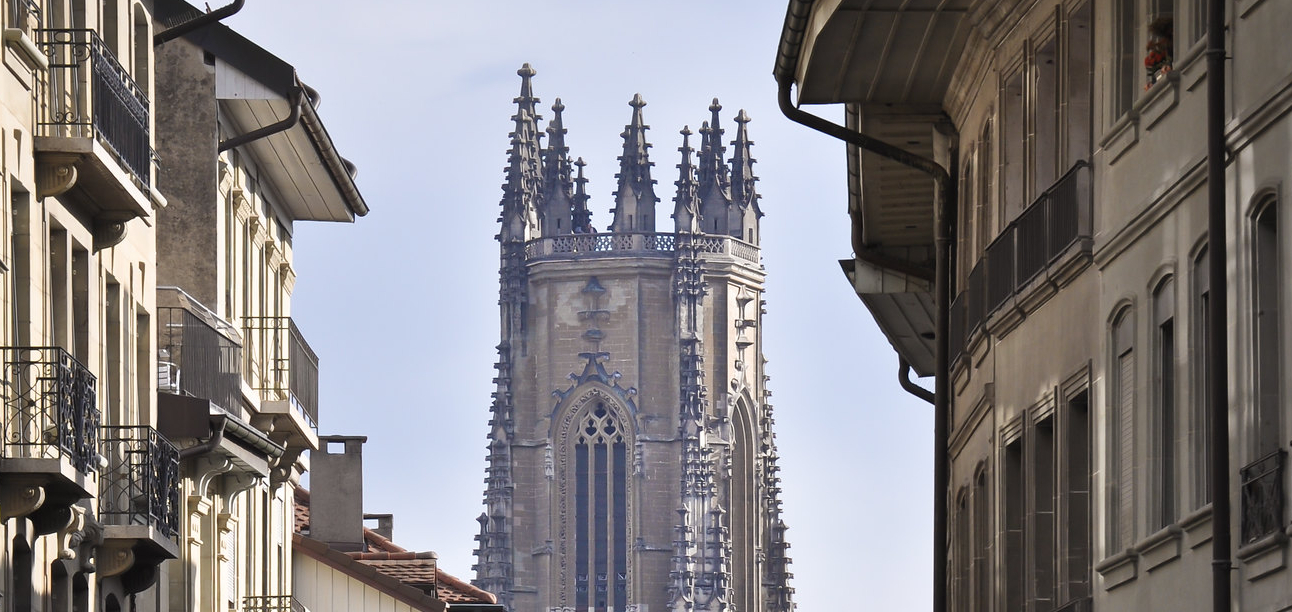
(297, 98)
(170, 34)
(1217, 336)
(217, 436)
(946, 192)
(904, 377)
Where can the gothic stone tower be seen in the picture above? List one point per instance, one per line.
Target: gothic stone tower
(632, 465)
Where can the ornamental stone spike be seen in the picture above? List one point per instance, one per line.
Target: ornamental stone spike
(582, 221)
(686, 212)
(744, 216)
(635, 199)
(557, 197)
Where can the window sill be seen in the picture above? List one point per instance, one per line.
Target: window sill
(19, 42)
(1119, 138)
(1160, 548)
(1197, 526)
(1264, 556)
(1118, 569)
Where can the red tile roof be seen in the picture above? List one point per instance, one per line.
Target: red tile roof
(415, 569)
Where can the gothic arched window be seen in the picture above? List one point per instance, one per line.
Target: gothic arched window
(601, 467)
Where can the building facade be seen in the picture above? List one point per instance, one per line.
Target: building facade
(86, 483)
(247, 158)
(1071, 132)
(632, 464)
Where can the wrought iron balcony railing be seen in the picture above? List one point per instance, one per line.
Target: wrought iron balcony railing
(140, 485)
(271, 603)
(50, 409)
(24, 15)
(193, 357)
(1262, 495)
(87, 94)
(279, 363)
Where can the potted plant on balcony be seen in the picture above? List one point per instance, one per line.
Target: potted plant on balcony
(1157, 60)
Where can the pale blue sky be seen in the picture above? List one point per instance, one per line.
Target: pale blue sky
(402, 306)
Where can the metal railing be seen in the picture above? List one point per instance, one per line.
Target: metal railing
(1029, 245)
(87, 94)
(279, 363)
(195, 359)
(24, 15)
(271, 603)
(1262, 497)
(1000, 269)
(637, 242)
(140, 485)
(50, 408)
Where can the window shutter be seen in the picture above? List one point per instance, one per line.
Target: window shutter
(1126, 449)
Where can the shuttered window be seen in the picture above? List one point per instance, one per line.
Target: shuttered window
(1121, 524)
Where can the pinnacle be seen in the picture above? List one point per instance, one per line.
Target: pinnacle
(557, 107)
(637, 101)
(715, 107)
(526, 71)
(743, 117)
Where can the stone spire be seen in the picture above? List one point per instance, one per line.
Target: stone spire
(523, 186)
(557, 186)
(582, 216)
(635, 199)
(745, 213)
(686, 209)
(714, 188)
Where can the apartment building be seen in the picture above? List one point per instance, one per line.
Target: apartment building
(87, 486)
(1057, 147)
(246, 158)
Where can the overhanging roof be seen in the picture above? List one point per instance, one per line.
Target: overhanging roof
(255, 89)
(872, 51)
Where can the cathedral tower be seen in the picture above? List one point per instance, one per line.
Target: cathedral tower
(632, 465)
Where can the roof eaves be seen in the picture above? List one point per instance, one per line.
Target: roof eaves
(367, 574)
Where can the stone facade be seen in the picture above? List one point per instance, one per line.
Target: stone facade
(632, 464)
(1074, 131)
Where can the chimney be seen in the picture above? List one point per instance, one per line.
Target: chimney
(336, 492)
(385, 524)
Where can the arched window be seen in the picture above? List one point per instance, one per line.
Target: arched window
(599, 443)
(1121, 434)
(1266, 287)
(1162, 512)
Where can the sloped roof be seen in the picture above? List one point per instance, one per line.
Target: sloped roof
(415, 569)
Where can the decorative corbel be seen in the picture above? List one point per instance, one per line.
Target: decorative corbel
(241, 205)
(53, 179)
(68, 536)
(234, 483)
(89, 540)
(116, 558)
(288, 276)
(108, 232)
(207, 468)
(282, 469)
(16, 502)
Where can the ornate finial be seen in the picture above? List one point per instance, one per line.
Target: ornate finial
(582, 216)
(741, 117)
(635, 197)
(686, 215)
(714, 107)
(557, 186)
(557, 107)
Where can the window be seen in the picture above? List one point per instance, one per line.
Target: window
(1040, 536)
(966, 251)
(1075, 499)
(1015, 553)
(1162, 460)
(1201, 430)
(1121, 435)
(1197, 21)
(1144, 48)
(1013, 146)
(981, 542)
(1045, 115)
(961, 553)
(1126, 58)
(1266, 283)
(982, 204)
(601, 512)
(1078, 120)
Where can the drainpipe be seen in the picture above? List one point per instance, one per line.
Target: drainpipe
(904, 377)
(170, 34)
(942, 304)
(217, 436)
(1217, 336)
(297, 98)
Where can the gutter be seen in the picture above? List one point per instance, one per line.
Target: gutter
(297, 101)
(343, 172)
(904, 377)
(217, 436)
(205, 19)
(796, 19)
(1217, 325)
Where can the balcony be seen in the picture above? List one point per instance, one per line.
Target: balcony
(51, 426)
(636, 244)
(280, 365)
(1040, 252)
(272, 603)
(139, 496)
(197, 355)
(92, 128)
(1262, 498)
